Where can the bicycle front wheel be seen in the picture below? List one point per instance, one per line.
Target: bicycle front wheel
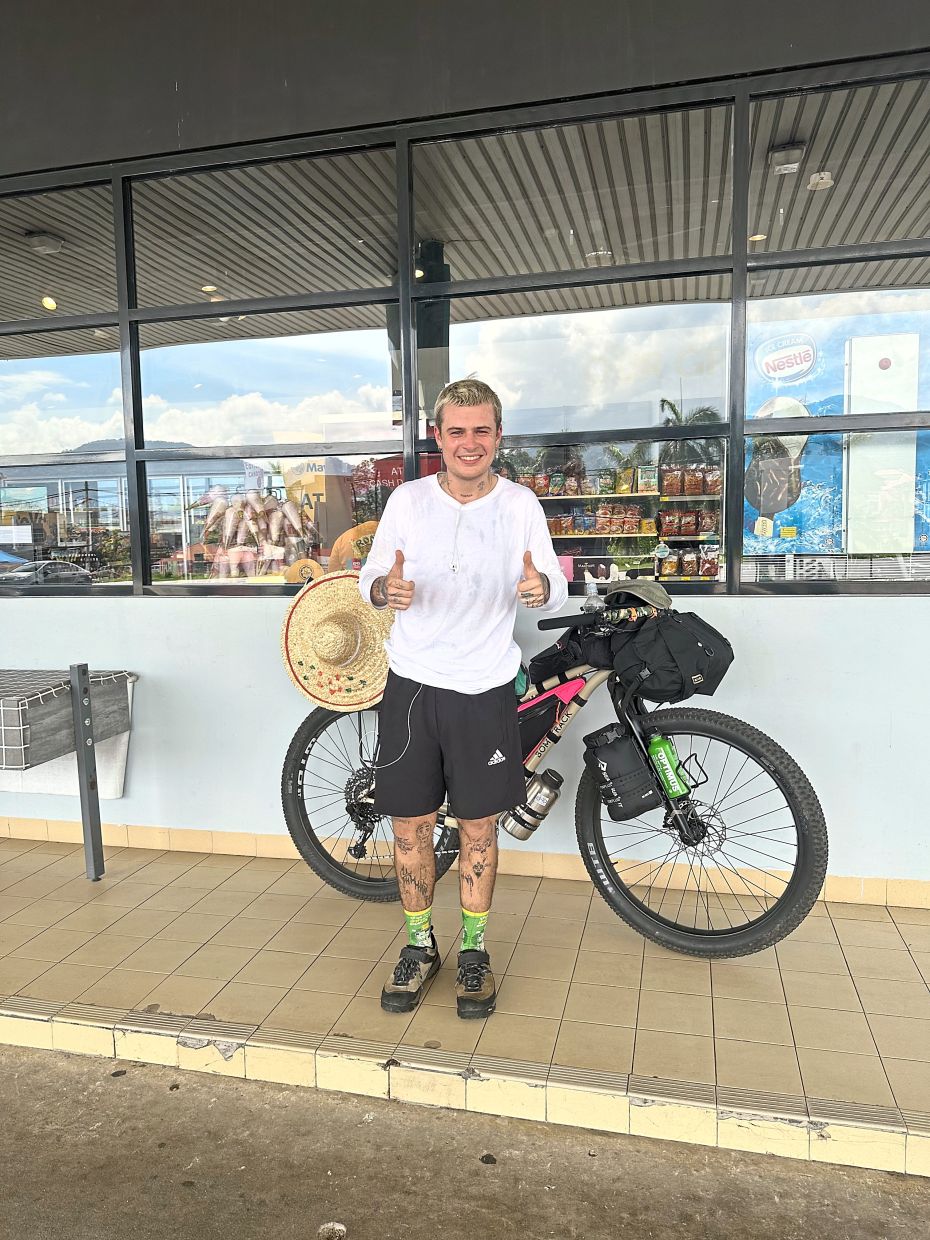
(758, 866)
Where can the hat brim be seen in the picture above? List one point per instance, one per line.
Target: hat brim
(650, 592)
(357, 685)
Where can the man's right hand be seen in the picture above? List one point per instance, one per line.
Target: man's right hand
(393, 590)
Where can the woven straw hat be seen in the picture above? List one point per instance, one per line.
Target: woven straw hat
(333, 644)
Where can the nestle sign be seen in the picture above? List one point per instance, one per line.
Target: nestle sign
(787, 358)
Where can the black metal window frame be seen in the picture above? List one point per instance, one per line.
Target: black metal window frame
(737, 93)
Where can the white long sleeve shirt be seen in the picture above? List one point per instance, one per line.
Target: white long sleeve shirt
(466, 561)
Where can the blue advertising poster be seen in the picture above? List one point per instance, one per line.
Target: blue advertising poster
(817, 494)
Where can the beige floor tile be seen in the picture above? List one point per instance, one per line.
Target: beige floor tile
(16, 973)
(160, 955)
(364, 1019)
(675, 1013)
(857, 912)
(37, 887)
(571, 908)
(121, 988)
(529, 1038)
(172, 900)
(917, 938)
(248, 1005)
(195, 927)
(299, 881)
(270, 968)
(869, 934)
(844, 1078)
(608, 969)
(903, 916)
(216, 961)
(821, 990)
(529, 996)
(565, 887)
(674, 1056)
(766, 959)
(251, 882)
(551, 932)
(226, 904)
(813, 930)
(51, 945)
(687, 977)
(336, 975)
(439, 1028)
(813, 957)
(44, 913)
(126, 894)
(759, 985)
(823, 1030)
(756, 1065)
(901, 1037)
(605, 1048)
(615, 938)
(180, 996)
(13, 904)
(144, 923)
(882, 962)
(248, 932)
(306, 938)
(379, 917)
(62, 983)
(359, 944)
(514, 903)
(894, 998)
(554, 963)
(602, 1005)
(105, 950)
(910, 1083)
(92, 917)
(741, 1020)
(517, 882)
(275, 908)
(921, 959)
(307, 1011)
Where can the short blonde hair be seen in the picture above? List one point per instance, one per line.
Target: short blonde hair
(465, 393)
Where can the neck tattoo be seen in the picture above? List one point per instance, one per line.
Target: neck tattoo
(482, 487)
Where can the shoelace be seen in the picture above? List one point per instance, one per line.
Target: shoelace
(407, 969)
(473, 974)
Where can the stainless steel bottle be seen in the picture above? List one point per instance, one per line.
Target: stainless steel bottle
(542, 792)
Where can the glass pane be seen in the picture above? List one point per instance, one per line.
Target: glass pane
(64, 525)
(629, 189)
(301, 225)
(563, 361)
(837, 507)
(57, 254)
(265, 521)
(309, 376)
(60, 391)
(840, 167)
(853, 348)
(653, 508)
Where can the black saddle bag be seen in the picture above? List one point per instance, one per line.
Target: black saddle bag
(671, 656)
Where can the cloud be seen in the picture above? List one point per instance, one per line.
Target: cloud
(25, 384)
(30, 429)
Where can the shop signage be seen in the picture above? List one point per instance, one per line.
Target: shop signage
(786, 359)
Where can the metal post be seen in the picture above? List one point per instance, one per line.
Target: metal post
(87, 769)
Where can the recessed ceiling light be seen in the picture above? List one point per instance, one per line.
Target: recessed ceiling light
(418, 273)
(820, 180)
(49, 303)
(759, 237)
(217, 298)
(208, 288)
(44, 242)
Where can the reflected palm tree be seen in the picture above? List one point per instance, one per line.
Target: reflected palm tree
(689, 451)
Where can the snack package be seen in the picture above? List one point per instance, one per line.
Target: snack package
(672, 480)
(647, 478)
(713, 480)
(617, 521)
(589, 484)
(606, 482)
(631, 518)
(526, 480)
(556, 483)
(688, 562)
(669, 565)
(670, 524)
(554, 525)
(688, 524)
(648, 526)
(625, 481)
(707, 521)
(578, 523)
(602, 519)
(710, 561)
(589, 520)
(541, 484)
(572, 485)
(566, 523)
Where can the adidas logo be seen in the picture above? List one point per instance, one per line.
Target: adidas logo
(496, 757)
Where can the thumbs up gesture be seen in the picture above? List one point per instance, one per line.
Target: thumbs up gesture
(533, 589)
(397, 592)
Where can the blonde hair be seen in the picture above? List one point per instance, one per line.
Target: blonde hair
(465, 393)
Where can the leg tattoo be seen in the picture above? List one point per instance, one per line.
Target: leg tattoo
(415, 861)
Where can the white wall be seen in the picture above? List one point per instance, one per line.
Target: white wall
(841, 682)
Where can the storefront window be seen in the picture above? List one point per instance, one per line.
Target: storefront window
(299, 225)
(632, 189)
(560, 362)
(655, 508)
(265, 521)
(853, 349)
(60, 391)
(57, 254)
(64, 526)
(840, 167)
(310, 376)
(837, 507)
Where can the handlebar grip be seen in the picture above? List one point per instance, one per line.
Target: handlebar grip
(582, 620)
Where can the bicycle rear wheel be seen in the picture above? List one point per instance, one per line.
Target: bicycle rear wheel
(753, 876)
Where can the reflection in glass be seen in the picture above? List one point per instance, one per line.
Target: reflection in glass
(60, 391)
(837, 507)
(265, 521)
(261, 230)
(310, 376)
(863, 350)
(577, 368)
(622, 190)
(64, 525)
(57, 254)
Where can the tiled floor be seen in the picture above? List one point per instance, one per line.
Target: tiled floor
(839, 1012)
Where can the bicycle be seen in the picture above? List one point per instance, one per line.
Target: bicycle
(682, 873)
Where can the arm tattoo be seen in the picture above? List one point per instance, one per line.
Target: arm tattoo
(378, 594)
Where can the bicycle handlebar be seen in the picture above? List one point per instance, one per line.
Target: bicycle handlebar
(585, 619)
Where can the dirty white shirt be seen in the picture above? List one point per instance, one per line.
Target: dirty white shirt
(466, 561)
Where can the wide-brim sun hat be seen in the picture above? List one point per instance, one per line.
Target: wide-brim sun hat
(650, 592)
(333, 644)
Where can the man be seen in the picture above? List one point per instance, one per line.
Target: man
(453, 555)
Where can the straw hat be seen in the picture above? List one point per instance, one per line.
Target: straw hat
(303, 570)
(333, 644)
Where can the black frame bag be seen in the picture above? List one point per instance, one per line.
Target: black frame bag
(671, 656)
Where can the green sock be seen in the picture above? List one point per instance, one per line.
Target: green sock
(419, 926)
(473, 925)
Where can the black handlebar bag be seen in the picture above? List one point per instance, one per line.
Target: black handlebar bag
(671, 656)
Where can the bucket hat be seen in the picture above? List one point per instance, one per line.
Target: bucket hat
(650, 592)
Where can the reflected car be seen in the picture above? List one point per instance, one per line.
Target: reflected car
(46, 573)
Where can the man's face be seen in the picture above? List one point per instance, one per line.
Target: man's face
(469, 440)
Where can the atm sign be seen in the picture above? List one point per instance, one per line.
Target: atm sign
(786, 359)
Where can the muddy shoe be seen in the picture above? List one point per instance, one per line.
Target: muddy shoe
(475, 992)
(404, 989)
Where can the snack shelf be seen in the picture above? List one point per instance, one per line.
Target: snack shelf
(705, 538)
(602, 537)
(589, 499)
(687, 499)
(697, 578)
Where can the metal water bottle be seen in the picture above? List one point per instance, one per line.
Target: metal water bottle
(542, 792)
(664, 758)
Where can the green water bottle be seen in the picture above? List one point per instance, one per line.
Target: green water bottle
(664, 758)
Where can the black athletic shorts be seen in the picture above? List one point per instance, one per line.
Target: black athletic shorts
(434, 742)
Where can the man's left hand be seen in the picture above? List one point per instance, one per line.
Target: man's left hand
(533, 590)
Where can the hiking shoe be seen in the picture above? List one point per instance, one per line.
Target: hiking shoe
(404, 990)
(475, 992)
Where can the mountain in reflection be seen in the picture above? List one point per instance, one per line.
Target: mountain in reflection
(117, 445)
